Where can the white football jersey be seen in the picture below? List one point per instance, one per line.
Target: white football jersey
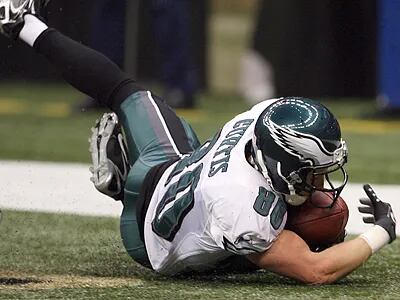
(213, 204)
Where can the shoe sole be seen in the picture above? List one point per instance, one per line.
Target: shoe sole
(101, 133)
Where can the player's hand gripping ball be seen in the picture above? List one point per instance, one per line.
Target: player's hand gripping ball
(319, 223)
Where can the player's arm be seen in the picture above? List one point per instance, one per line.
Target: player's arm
(291, 256)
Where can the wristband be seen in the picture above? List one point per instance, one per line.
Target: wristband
(376, 238)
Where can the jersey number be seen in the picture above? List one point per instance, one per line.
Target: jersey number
(193, 158)
(263, 205)
(176, 204)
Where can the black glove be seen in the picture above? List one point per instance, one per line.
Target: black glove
(378, 212)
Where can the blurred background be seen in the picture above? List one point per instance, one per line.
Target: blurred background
(212, 60)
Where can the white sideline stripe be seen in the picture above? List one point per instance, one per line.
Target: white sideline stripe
(52, 187)
(164, 124)
(65, 188)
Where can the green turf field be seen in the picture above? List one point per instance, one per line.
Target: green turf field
(46, 256)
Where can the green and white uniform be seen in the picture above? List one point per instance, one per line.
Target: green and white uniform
(213, 204)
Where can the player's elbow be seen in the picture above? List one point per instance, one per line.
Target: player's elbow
(320, 274)
(319, 278)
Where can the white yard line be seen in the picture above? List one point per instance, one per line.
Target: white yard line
(65, 188)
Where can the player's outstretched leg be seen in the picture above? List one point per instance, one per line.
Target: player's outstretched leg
(109, 157)
(12, 14)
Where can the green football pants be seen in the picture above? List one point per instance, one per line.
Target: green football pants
(154, 134)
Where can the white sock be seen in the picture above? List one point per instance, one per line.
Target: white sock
(33, 27)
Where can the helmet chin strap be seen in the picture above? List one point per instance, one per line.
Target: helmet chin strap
(292, 198)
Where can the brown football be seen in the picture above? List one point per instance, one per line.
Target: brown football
(318, 226)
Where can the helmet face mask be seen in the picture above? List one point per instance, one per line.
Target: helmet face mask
(297, 140)
(307, 186)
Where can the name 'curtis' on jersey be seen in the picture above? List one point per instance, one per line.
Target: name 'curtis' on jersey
(222, 155)
(212, 204)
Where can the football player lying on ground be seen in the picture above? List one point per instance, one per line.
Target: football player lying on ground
(189, 207)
